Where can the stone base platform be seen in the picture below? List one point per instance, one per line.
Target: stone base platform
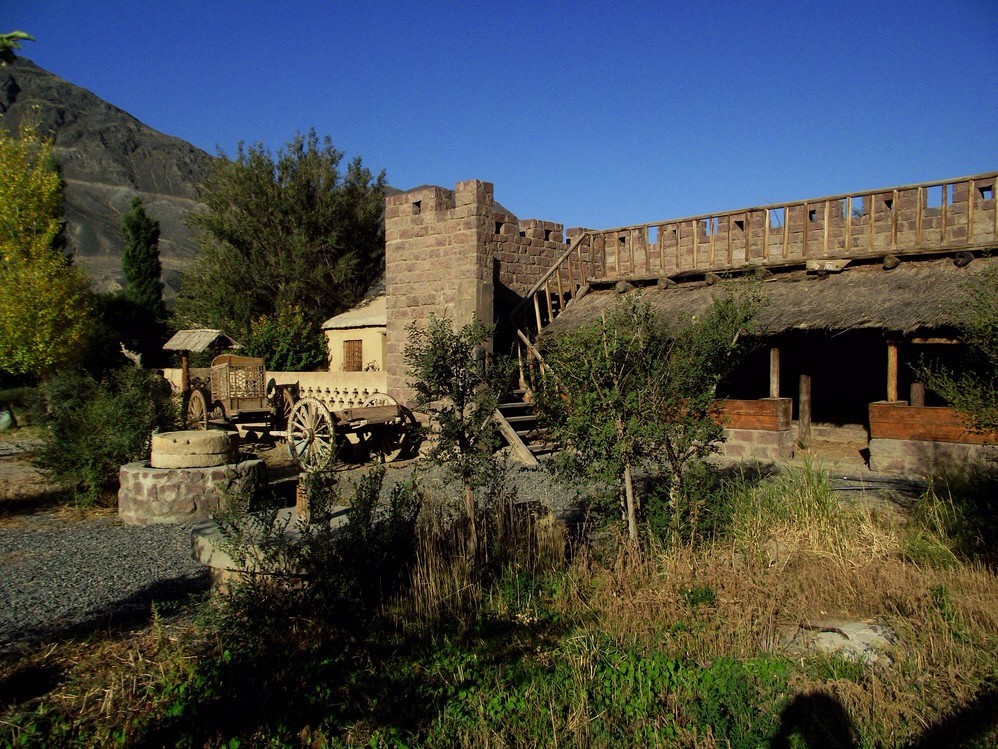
(234, 554)
(184, 495)
(761, 445)
(926, 458)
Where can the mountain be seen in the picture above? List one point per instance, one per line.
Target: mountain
(106, 157)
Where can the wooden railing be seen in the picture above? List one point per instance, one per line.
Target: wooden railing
(945, 216)
(950, 215)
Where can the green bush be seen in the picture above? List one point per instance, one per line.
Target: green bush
(93, 428)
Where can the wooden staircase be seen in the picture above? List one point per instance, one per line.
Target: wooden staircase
(519, 422)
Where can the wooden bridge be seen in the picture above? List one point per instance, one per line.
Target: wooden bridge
(821, 233)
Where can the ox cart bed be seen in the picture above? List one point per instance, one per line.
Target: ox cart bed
(238, 394)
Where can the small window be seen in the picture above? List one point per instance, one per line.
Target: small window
(740, 225)
(652, 235)
(987, 191)
(547, 235)
(498, 227)
(353, 356)
(776, 218)
(709, 226)
(812, 215)
(934, 196)
(417, 207)
(889, 204)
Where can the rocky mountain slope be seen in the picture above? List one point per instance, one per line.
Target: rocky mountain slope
(106, 157)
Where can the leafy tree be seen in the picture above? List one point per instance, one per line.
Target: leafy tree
(11, 41)
(460, 386)
(140, 260)
(287, 342)
(626, 392)
(95, 427)
(974, 390)
(284, 232)
(44, 300)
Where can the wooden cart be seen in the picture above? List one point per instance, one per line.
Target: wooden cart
(237, 395)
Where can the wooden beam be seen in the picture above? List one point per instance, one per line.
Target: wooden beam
(937, 340)
(970, 212)
(804, 408)
(774, 372)
(892, 371)
(917, 394)
(521, 452)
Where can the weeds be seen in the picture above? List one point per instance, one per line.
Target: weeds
(599, 650)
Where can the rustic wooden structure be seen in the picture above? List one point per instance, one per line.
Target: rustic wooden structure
(860, 285)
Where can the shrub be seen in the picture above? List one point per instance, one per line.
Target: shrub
(93, 428)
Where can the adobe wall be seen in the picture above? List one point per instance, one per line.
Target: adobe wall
(445, 251)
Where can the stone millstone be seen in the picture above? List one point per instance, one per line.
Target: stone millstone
(192, 449)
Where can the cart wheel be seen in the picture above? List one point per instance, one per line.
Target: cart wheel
(388, 441)
(311, 439)
(217, 412)
(197, 410)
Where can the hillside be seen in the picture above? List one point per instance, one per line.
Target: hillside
(106, 157)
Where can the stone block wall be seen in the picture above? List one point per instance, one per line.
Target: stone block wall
(758, 444)
(444, 252)
(525, 250)
(924, 457)
(438, 262)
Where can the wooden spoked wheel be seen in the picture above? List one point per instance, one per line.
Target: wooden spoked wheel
(217, 412)
(311, 439)
(197, 410)
(386, 442)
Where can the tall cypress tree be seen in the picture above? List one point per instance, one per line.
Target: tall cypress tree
(140, 260)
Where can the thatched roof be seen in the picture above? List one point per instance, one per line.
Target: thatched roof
(920, 295)
(199, 340)
(368, 314)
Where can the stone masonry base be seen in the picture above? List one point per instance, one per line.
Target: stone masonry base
(184, 495)
(758, 444)
(925, 458)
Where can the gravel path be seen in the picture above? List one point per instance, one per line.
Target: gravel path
(59, 574)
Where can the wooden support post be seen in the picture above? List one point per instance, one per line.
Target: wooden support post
(848, 225)
(774, 372)
(804, 221)
(892, 371)
(786, 231)
(826, 220)
(970, 212)
(185, 373)
(537, 313)
(917, 394)
(919, 214)
(804, 409)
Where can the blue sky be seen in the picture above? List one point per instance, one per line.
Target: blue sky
(595, 114)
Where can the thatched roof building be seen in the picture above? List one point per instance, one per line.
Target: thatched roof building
(916, 296)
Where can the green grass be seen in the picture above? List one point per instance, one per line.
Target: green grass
(601, 650)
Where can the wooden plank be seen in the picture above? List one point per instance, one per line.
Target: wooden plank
(748, 238)
(805, 219)
(919, 215)
(970, 212)
(520, 451)
(873, 220)
(561, 293)
(917, 397)
(804, 407)
(942, 214)
(827, 208)
(696, 230)
(894, 220)
(547, 297)
(712, 232)
(537, 312)
(848, 225)
(892, 370)
(765, 238)
(786, 231)
(774, 372)
(936, 424)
